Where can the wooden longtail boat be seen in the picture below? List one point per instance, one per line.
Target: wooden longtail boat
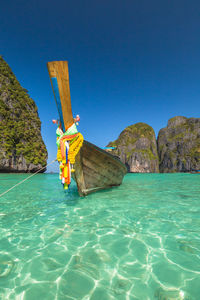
(95, 169)
(195, 172)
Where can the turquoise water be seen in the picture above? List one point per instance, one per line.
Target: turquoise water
(137, 241)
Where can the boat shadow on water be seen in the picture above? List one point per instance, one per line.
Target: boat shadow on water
(71, 196)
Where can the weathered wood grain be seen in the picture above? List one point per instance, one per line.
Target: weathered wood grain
(59, 69)
(99, 169)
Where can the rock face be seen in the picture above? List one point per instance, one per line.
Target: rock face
(179, 145)
(136, 147)
(21, 146)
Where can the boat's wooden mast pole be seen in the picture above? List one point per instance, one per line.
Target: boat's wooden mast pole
(59, 76)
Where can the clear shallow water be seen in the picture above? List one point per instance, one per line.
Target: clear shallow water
(138, 241)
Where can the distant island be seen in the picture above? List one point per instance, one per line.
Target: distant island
(177, 148)
(21, 145)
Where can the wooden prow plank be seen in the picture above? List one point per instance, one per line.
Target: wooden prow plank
(59, 70)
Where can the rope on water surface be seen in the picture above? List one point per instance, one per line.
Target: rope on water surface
(27, 178)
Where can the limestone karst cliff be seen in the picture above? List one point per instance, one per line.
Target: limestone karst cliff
(136, 147)
(21, 146)
(179, 145)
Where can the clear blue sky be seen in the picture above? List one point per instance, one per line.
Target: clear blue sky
(129, 61)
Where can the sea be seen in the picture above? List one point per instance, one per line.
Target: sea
(138, 241)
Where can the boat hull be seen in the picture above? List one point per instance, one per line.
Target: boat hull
(95, 169)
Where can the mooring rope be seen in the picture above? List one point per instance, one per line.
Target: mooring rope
(27, 178)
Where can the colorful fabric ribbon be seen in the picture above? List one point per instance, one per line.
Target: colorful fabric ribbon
(68, 147)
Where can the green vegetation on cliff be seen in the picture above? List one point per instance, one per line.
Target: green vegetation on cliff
(136, 147)
(19, 121)
(133, 132)
(179, 145)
